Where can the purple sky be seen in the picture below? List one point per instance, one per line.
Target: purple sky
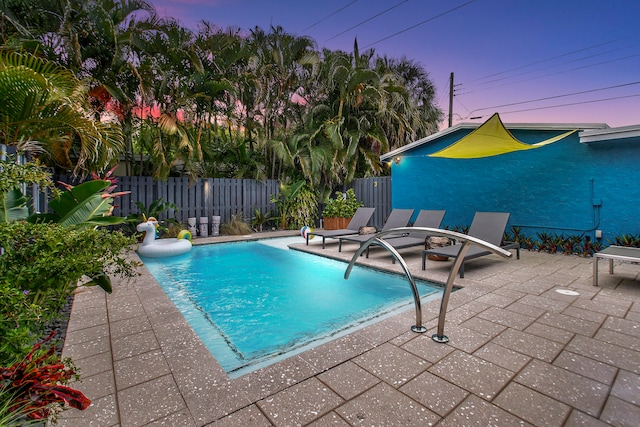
(504, 53)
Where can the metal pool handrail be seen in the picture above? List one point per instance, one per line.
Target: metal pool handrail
(466, 240)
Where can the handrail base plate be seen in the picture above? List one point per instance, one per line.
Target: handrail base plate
(440, 338)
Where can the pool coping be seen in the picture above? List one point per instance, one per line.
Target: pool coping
(143, 365)
(263, 361)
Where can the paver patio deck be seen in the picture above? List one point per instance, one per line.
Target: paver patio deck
(520, 354)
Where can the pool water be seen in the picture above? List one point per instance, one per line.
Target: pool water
(253, 303)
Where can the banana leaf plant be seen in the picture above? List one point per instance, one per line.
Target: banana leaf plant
(85, 205)
(13, 206)
(284, 201)
(13, 176)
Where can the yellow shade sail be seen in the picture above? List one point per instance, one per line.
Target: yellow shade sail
(490, 139)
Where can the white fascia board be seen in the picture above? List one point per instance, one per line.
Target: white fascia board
(467, 125)
(426, 139)
(610, 134)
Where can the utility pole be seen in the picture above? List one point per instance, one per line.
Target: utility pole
(451, 100)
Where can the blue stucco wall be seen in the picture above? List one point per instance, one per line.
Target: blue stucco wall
(564, 188)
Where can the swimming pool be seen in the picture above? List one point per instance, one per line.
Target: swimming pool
(253, 303)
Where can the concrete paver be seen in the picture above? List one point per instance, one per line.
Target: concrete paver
(520, 353)
(383, 405)
(532, 406)
(348, 379)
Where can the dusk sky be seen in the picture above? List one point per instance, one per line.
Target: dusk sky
(552, 61)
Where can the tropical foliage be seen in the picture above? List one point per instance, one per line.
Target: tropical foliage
(40, 268)
(210, 102)
(44, 112)
(343, 205)
(37, 387)
(554, 243)
(154, 210)
(41, 264)
(13, 203)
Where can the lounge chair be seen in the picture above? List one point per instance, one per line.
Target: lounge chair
(426, 218)
(397, 218)
(360, 219)
(488, 226)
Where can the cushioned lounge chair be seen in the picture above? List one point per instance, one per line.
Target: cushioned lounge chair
(426, 218)
(397, 218)
(360, 219)
(488, 226)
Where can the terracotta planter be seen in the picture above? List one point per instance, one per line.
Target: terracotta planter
(336, 223)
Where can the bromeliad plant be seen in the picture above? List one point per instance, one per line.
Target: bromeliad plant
(37, 385)
(260, 219)
(627, 239)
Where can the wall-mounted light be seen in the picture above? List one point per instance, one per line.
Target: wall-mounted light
(397, 160)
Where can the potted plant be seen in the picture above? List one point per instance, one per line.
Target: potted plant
(338, 211)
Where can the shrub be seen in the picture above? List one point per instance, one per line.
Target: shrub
(40, 267)
(297, 205)
(343, 205)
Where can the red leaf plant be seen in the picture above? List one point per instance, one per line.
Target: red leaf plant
(38, 381)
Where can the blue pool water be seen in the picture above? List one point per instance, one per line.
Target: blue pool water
(253, 303)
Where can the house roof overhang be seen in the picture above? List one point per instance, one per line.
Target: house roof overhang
(510, 126)
(620, 134)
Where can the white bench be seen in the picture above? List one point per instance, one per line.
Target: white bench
(614, 253)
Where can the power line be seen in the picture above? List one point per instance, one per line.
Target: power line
(330, 15)
(464, 106)
(572, 103)
(367, 20)
(566, 71)
(444, 94)
(547, 59)
(555, 96)
(420, 23)
(584, 58)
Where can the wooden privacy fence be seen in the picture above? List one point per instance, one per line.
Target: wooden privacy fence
(207, 197)
(210, 197)
(375, 193)
(224, 197)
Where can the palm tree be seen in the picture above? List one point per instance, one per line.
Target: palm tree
(418, 115)
(44, 111)
(279, 61)
(114, 56)
(265, 105)
(311, 148)
(355, 93)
